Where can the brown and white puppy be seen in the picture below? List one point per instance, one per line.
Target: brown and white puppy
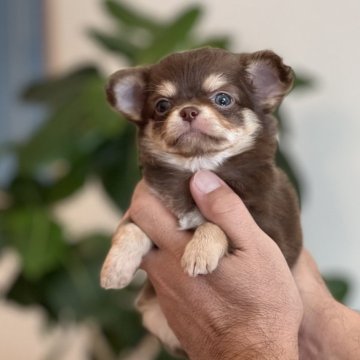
(204, 109)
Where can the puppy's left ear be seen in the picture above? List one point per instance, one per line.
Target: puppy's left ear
(270, 78)
(126, 92)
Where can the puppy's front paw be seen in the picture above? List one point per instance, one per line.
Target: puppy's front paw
(129, 246)
(196, 261)
(203, 252)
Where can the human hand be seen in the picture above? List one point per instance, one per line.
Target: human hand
(329, 330)
(249, 307)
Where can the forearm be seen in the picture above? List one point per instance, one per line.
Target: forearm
(333, 332)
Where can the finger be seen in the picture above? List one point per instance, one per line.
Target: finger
(148, 212)
(150, 261)
(125, 218)
(219, 204)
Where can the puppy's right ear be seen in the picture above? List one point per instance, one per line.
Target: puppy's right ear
(270, 78)
(126, 92)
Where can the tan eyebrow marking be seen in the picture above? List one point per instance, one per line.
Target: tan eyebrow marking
(166, 89)
(214, 82)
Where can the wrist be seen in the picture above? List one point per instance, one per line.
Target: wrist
(266, 344)
(268, 350)
(327, 332)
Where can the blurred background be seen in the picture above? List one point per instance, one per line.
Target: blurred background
(68, 163)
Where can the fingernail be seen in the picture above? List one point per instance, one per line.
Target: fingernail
(206, 181)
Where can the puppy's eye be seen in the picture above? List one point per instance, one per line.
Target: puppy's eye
(162, 106)
(223, 99)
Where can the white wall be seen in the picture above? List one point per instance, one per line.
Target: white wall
(319, 38)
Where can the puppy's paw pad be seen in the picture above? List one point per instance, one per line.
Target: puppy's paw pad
(118, 270)
(196, 261)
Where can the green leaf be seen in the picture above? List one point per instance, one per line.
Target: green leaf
(26, 191)
(37, 238)
(30, 292)
(73, 289)
(59, 90)
(115, 44)
(164, 355)
(173, 37)
(116, 164)
(3, 238)
(302, 82)
(72, 181)
(73, 129)
(78, 272)
(129, 17)
(339, 287)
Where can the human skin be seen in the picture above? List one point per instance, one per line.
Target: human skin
(249, 308)
(329, 330)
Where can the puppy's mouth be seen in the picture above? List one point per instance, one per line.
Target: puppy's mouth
(209, 134)
(195, 142)
(195, 134)
(196, 131)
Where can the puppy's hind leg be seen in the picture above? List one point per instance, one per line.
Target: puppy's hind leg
(128, 247)
(154, 320)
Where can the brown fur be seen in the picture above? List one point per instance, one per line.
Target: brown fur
(253, 175)
(257, 84)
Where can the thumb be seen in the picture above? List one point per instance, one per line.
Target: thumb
(220, 205)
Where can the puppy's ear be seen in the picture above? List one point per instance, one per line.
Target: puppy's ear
(270, 78)
(126, 92)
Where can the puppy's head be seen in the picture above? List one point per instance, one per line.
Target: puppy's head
(204, 101)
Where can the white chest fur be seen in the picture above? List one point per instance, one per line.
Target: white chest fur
(196, 163)
(191, 220)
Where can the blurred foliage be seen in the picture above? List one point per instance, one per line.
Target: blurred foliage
(82, 138)
(338, 286)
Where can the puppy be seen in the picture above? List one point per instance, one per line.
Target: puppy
(204, 109)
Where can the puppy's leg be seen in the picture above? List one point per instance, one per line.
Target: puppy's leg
(154, 320)
(202, 254)
(129, 245)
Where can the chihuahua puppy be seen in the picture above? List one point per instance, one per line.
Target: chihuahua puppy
(204, 109)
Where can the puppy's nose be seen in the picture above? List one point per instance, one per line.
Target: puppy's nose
(189, 113)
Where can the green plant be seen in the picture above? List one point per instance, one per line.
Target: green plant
(80, 139)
